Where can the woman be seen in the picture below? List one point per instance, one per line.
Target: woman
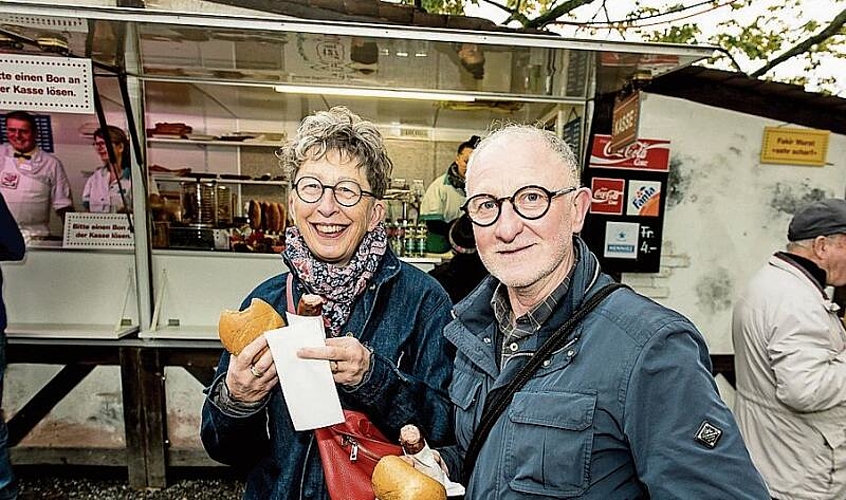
(102, 192)
(384, 318)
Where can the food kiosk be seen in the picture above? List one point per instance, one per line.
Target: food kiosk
(207, 99)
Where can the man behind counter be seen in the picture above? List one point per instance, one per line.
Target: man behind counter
(443, 199)
(31, 180)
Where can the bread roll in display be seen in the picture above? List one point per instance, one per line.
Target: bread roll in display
(394, 479)
(238, 328)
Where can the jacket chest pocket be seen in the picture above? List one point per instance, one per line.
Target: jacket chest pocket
(463, 391)
(548, 443)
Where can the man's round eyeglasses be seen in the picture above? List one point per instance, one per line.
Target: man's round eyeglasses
(529, 202)
(347, 193)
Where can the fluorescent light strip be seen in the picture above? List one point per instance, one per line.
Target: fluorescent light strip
(364, 92)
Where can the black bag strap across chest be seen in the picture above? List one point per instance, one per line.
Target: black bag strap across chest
(499, 400)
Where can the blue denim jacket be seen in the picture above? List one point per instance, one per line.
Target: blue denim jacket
(613, 415)
(400, 316)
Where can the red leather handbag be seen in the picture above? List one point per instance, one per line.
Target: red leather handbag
(349, 452)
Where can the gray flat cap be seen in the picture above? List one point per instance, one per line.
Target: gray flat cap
(820, 218)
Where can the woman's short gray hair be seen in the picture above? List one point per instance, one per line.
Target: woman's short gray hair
(341, 130)
(557, 146)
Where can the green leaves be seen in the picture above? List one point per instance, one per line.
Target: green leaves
(762, 34)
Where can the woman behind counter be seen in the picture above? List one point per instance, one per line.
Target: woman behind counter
(384, 318)
(102, 193)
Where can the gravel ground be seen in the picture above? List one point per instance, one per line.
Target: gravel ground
(49, 484)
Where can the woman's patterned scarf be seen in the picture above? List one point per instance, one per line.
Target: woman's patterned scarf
(454, 178)
(339, 286)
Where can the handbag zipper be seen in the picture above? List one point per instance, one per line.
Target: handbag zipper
(355, 448)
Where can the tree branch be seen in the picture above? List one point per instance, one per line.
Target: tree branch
(553, 14)
(804, 46)
(499, 6)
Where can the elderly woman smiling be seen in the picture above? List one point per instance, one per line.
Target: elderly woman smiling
(384, 318)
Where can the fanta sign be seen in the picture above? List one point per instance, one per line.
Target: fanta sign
(607, 195)
(644, 198)
(643, 154)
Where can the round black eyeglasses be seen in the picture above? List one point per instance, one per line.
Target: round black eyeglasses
(347, 193)
(529, 202)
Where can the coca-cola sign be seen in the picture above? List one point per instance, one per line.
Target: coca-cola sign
(607, 195)
(643, 154)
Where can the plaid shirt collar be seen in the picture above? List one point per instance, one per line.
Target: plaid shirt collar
(512, 331)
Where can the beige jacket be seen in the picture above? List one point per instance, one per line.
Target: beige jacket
(790, 359)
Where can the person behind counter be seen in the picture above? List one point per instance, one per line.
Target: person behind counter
(464, 270)
(11, 248)
(627, 406)
(443, 199)
(102, 192)
(31, 180)
(384, 318)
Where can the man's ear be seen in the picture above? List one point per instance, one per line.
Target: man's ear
(377, 214)
(820, 246)
(581, 204)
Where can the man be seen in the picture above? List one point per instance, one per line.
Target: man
(443, 199)
(628, 408)
(11, 248)
(790, 359)
(31, 180)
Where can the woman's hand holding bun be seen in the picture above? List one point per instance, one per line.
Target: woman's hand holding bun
(251, 373)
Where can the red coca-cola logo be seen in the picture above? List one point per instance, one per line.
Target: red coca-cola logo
(607, 195)
(643, 154)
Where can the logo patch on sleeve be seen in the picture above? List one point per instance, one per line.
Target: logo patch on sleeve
(708, 434)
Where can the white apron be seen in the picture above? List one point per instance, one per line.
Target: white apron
(28, 197)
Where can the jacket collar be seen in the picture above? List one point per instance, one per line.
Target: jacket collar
(786, 264)
(474, 320)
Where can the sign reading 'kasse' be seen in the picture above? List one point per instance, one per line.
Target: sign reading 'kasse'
(90, 230)
(46, 83)
(624, 122)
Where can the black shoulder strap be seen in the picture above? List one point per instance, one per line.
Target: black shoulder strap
(497, 404)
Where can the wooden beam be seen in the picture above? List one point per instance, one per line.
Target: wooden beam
(44, 400)
(142, 377)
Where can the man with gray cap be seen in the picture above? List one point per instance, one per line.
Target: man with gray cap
(790, 359)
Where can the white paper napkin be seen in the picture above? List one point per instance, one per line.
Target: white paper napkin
(307, 384)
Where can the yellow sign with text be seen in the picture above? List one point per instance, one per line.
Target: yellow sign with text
(794, 146)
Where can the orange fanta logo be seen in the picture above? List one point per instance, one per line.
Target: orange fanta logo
(647, 200)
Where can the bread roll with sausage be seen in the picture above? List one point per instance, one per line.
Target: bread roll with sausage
(310, 305)
(238, 328)
(395, 479)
